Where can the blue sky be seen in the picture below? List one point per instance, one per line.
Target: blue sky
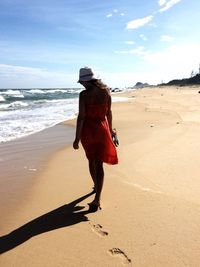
(43, 43)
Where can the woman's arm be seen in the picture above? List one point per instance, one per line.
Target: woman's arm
(113, 132)
(109, 115)
(80, 120)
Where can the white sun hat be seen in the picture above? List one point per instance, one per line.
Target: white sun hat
(86, 74)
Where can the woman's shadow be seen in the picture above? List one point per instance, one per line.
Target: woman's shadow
(63, 216)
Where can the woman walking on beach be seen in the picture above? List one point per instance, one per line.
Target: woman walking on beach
(94, 129)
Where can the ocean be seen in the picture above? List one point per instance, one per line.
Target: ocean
(27, 111)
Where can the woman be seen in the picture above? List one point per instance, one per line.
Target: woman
(94, 129)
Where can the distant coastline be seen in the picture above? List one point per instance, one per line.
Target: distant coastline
(195, 80)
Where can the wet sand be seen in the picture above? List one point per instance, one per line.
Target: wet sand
(22, 160)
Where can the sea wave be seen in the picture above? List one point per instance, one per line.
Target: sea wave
(10, 92)
(21, 118)
(37, 94)
(50, 91)
(13, 106)
(2, 99)
(36, 91)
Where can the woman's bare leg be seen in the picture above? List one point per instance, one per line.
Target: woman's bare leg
(97, 174)
(99, 180)
(92, 170)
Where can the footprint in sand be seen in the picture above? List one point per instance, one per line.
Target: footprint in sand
(97, 228)
(121, 254)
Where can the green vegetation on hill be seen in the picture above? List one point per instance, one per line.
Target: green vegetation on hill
(190, 81)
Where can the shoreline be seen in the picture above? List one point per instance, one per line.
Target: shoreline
(24, 159)
(150, 201)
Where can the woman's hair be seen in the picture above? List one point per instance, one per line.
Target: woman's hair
(99, 84)
(104, 91)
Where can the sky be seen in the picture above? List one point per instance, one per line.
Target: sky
(44, 43)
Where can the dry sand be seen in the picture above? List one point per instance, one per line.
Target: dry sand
(150, 202)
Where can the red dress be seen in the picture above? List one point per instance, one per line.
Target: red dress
(95, 137)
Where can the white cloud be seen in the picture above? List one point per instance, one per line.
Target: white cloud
(180, 53)
(140, 50)
(168, 5)
(115, 12)
(166, 38)
(109, 15)
(121, 79)
(130, 42)
(161, 2)
(125, 79)
(143, 37)
(153, 25)
(19, 70)
(179, 58)
(173, 62)
(176, 60)
(18, 76)
(137, 23)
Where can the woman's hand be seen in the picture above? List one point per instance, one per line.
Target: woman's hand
(112, 132)
(114, 137)
(76, 144)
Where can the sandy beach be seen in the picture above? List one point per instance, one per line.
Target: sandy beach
(150, 213)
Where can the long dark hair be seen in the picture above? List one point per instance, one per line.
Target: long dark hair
(98, 83)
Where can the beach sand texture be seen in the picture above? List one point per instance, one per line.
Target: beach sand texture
(150, 213)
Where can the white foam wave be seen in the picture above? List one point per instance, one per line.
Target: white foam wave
(18, 104)
(23, 122)
(59, 91)
(2, 99)
(15, 104)
(13, 93)
(67, 101)
(19, 96)
(50, 91)
(37, 91)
